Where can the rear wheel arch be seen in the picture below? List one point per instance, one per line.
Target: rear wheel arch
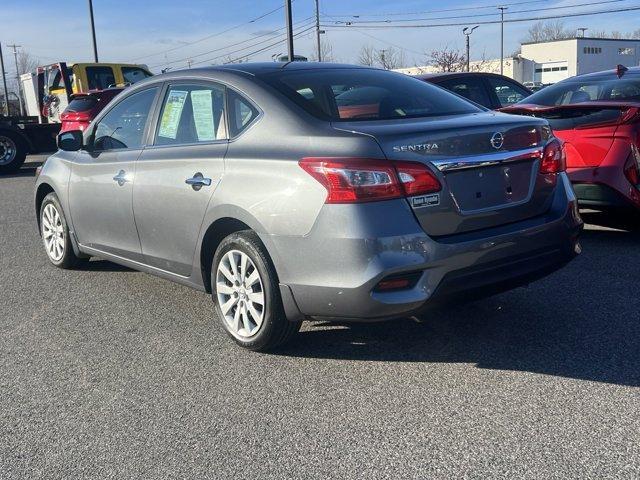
(215, 233)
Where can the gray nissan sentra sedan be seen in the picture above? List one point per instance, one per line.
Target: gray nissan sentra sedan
(310, 191)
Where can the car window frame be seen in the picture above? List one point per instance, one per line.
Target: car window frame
(494, 96)
(160, 103)
(90, 137)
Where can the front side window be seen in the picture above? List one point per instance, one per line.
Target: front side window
(192, 114)
(507, 92)
(365, 94)
(468, 87)
(134, 74)
(100, 78)
(123, 126)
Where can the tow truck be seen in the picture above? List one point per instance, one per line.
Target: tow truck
(47, 91)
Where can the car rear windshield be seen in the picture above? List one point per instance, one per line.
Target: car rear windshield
(625, 89)
(366, 94)
(81, 104)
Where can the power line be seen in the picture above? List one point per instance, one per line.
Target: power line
(471, 16)
(218, 49)
(379, 39)
(459, 9)
(186, 44)
(483, 22)
(308, 29)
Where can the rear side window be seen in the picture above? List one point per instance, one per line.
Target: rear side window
(192, 114)
(507, 92)
(365, 94)
(242, 113)
(100, 78)
(81, 104)
(134, 74)
(470, 88)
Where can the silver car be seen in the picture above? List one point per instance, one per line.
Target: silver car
(310, 191)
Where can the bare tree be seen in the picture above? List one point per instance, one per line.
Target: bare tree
(326, 50)
(547, 31)
(390, 58)
(367, 56)
(26, 62)
(446, 60)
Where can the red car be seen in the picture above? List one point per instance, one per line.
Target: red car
(598, 117)
(84, 107)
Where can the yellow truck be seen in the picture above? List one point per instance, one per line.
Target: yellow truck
(46, 93)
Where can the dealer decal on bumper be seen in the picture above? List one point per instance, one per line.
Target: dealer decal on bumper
(430, 200)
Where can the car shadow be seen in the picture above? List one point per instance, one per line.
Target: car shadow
(27, 170)
(97, 265)
(582, 322)
(627, 220)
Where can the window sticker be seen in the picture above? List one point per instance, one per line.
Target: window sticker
(172, 113)
(203, 114)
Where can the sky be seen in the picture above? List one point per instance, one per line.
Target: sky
(162, 33)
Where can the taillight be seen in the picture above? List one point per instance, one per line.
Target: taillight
(553, 158)
(416, 179)
(632, 167)
(352, 180)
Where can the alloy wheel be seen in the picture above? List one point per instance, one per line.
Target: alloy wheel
(53, 232)
(240, 294)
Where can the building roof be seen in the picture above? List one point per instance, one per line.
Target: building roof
(585, 38)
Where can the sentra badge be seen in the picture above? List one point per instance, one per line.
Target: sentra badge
(419, 147)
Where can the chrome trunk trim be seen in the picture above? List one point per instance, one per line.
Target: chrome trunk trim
(479, 161)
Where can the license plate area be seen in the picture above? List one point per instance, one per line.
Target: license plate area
(491, 187)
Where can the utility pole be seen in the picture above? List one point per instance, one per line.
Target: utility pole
(383, 60)
(93, 32)
(4, 83)
(288, 21)
(467, 33)
(502, 9)
(189, 62)
(318, 31)
(15, 57)
(582, 30)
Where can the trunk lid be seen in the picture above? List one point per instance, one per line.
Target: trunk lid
(487, 164)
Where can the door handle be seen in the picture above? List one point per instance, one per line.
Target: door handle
(198, 181)
(121, 178)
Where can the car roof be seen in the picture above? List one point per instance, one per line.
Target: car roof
(443, 75)
(607, 74)
(259, 68)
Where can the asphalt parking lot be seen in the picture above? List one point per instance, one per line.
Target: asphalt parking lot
(110, 373)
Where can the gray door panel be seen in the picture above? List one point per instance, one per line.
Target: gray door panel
(101, 207)
(168, 210)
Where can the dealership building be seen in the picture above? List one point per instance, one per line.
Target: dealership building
(550, 62)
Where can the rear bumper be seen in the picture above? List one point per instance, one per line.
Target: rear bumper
(332, 272)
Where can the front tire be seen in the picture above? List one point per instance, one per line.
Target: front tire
(246, 294)
(55, 234)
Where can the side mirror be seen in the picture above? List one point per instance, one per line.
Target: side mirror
(70, 141)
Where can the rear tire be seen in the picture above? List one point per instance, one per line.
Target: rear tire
(246, 294)
(13, 152)
(55, 234)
